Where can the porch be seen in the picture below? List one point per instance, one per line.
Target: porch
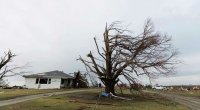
(66, 83)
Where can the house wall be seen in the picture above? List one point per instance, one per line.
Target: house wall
(31, 84)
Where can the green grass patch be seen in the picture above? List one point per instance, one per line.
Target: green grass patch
(88, 100)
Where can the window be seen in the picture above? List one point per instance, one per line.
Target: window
(49, 82)
(68, 81)
(37, 80)
(43, 81)
(62, 81)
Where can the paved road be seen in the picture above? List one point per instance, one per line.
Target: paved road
(191, 102)
(31, 97)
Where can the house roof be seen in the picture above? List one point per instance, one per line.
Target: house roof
(50, 74)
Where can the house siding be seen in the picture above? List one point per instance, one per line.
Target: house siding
(31, 84)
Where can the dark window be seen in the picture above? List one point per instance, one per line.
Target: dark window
(43, 81)
(62, 81)
(37, 80)
(49, 82)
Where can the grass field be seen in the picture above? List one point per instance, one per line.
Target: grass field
(88, 100)
(13, 93)
(191, 93)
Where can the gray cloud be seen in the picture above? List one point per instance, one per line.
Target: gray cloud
(52, 34)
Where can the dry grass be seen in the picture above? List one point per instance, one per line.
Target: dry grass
(191, 93)
(13, 93)
(88, 100)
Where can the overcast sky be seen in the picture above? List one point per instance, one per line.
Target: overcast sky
(51, 34)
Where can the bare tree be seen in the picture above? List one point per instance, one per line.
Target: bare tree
(3, 83)
(149, 53)
(79, 80)
(4, 68)
(9, 70)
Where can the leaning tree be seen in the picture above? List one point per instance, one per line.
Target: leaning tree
(123, 54)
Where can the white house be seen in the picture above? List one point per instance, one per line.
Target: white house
(48, 80)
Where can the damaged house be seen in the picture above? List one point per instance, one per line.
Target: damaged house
(49, 80)
(54, 80)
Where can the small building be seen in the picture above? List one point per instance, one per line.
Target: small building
(48, 80)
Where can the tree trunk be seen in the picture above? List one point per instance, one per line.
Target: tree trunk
(110, 86)
(110, 89)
